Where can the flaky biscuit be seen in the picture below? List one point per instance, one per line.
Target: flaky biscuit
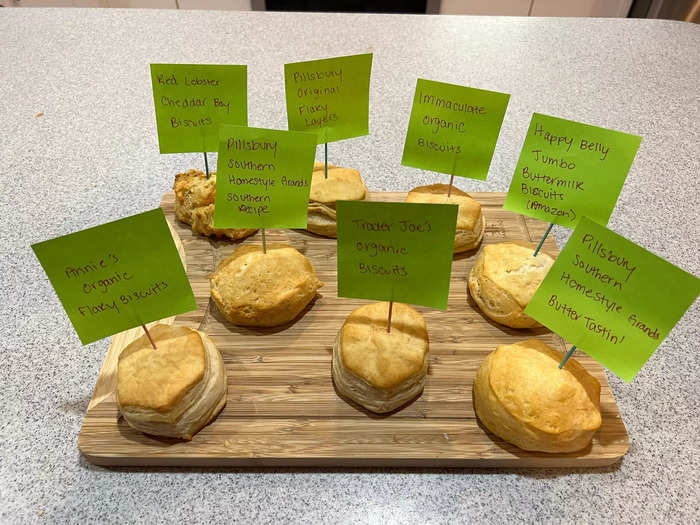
(175, 389)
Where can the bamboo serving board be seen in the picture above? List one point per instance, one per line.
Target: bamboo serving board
(282, 409)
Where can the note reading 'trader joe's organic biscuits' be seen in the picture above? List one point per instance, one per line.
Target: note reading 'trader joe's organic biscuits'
(118, 275)
(192, 100)
(453, 129)
(611, 298)
(567, 170)
(263, 178)
(393, 251)
(329, 97)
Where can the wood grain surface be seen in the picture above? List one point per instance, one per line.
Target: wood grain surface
(282, 409)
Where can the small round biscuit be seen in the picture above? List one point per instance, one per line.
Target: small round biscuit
(252, 288)
(470, 220)
(522, 396)
(381, 370)
(504, 278)
(175, 389)
(194, 205)
(341, 184)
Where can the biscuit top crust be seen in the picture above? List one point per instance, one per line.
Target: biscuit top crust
(249, 276)
(469, 209)
(512, 267)
(341, 184)
(526, 379)
(384, 359)
(158, 379)
(194, 190)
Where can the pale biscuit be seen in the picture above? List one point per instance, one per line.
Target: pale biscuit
(522, 396)
(377, 369)
(194, 205)
(175, 389)
(504, 278)
(470, 220)
(252, 288)
(341, 184)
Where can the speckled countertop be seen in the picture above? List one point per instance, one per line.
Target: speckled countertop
(93, 157)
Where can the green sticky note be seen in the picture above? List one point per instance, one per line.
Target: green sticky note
(263, 178)
(395, 251)
(118, 275)
(192, 100)
(329, 97)
(612, 298)
(453, 129)
(567, 170)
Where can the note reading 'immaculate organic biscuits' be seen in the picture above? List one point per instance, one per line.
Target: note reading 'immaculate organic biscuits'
(118, 275)
(453, 129)
(612, 298)
(395, 251)
(263, 178)
(191, 100)
(567, 170)
(329, 97)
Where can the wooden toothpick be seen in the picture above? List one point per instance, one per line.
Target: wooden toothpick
(325, 161)
(264, 242)
(206, 164)
(148, 334)
(449, 190)
(388, 322)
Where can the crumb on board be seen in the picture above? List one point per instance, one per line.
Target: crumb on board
(39, 114)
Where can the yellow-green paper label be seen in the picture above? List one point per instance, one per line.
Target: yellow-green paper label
(453, 129)
(192, 100)
(567, 170)
(118, 275)
(612, 298)
(329, 97)
(263, 178)
(396, 251)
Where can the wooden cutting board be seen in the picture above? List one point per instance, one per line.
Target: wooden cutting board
(282, 409)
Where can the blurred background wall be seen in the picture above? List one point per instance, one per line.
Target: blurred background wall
(688, 10)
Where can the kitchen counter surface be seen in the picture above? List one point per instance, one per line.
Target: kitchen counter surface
(92, 157)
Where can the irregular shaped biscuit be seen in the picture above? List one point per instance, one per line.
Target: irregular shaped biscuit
(252, 288)
(522, 396)
(504, 278)
(194, 205)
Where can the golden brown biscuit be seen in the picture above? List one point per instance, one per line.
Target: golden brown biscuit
(252, 288)
(522, 396)
(377, 369)
(341, 184)
(504, 278)
(173, 390)
(194, 205)
(470, 220)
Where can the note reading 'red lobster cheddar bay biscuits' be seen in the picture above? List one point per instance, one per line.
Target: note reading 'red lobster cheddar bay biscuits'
(611, 298)
(453, 129)
(263, 178)
(118, 275)
(567, 170)
(329, 97)
(395, 251)
(192, 100)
